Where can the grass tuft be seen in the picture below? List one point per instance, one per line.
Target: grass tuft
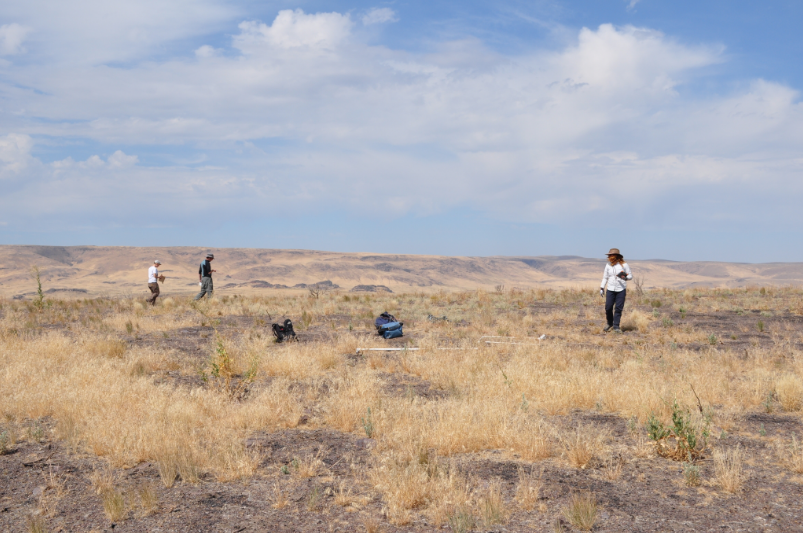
(582, 511)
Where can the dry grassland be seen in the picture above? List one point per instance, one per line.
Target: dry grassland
(143, 409)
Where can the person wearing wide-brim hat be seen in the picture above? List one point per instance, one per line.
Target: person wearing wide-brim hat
(615, 278)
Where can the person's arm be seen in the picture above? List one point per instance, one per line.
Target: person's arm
(627, 271)
(605, 276)
(200, 272)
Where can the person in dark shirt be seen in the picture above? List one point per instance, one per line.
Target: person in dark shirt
(205, 277)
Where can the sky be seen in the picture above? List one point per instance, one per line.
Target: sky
(670, 130)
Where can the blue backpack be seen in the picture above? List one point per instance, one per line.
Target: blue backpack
(393, 333)
(387, 326)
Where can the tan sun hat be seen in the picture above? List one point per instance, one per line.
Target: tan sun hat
(614, 251)
(157, 262)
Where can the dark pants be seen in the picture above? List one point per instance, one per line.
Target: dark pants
(614, 303)
(154, 287)
(206, 288)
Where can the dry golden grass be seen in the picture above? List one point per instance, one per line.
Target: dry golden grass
(103, 386)
(37, 524)
(635, 321)
(280, 499)
(492, 505)
(583, 445)
(790, 454)
(114, 504)
(790, 392)
(528, 489)
(729, 468)
(582, 511)
(148, 499)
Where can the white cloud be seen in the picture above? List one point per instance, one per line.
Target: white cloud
(81, 32)
(632, 4)
(379, 15)
(11, 38)
(206, 51)
(546, 136)
(294, 29)
(119, 160)
(15, 153)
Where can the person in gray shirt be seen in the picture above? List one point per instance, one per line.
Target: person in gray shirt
(205, 277)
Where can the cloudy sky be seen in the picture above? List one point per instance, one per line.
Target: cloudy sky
(669, 129)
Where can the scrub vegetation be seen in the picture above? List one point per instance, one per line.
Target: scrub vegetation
(143, 413)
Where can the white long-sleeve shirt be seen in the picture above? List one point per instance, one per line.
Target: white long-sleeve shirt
(153, 274)
(609, 278)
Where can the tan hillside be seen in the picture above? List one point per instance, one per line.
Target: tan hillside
(112, 270)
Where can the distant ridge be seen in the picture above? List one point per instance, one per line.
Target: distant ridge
(122, 270)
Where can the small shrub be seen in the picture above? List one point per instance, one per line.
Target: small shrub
(36, 432)
(656, 303)
(712, 340)
(690, 439)
(767, 403)
(760, 325)
(39, 301)
(667, 322)
(582, 511)
(691, 474)
(368, 424)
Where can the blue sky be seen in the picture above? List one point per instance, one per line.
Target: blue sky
(668, 129)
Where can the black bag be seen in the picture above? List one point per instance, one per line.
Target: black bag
(284, 332)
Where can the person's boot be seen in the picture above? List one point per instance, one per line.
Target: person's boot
(608, 328)
(617, 330)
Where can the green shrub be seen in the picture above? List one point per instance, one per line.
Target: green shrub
(690, 439)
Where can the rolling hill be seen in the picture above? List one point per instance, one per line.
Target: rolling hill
(88, 271)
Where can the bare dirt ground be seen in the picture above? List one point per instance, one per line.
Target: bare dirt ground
(312, 479)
